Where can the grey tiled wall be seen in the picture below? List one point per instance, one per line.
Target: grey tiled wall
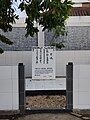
(21, 43)
(78, 38)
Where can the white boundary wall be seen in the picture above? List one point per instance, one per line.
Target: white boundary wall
(71, 21)
(78, 21)
(9, 58)
(9, 96)
(81, 87)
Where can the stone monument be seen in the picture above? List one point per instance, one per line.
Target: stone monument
(43, 62)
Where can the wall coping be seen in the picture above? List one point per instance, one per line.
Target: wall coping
(71, 21)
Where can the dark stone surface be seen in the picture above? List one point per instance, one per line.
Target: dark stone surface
(21, 88)
(70, 98)
(78, 38)
(69, 86)
(21, 43)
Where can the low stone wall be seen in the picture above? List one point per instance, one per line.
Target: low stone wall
(9, 95)
(81, 87)
(12, 89)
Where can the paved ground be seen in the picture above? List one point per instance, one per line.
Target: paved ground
(49, 116)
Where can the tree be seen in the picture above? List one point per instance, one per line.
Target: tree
(50, 14)
(7, 18)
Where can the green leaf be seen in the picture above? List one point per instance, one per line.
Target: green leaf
(50, 14)
(58, 45)
(5, 40)
(1, 51)
(21, 6)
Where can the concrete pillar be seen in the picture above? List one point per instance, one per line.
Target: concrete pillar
(21, 88)
(40, 36)
(69, 86)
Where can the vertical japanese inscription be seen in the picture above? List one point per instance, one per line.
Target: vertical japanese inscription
(40, 55)
(43, 56)
(43, 62)
(36, 55)
(47, 56)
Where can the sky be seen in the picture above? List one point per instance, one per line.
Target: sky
(16, 5)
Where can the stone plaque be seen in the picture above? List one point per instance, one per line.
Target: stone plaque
(43, 62)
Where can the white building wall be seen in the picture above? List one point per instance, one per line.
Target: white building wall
(80, 1)
(71, 21)
(9, 96)
(15, 57)
(81, 87)
(62, 58)
(78, 21)
(77, 5)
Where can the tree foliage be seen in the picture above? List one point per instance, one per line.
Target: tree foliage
(7, 18)
(50, 14)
